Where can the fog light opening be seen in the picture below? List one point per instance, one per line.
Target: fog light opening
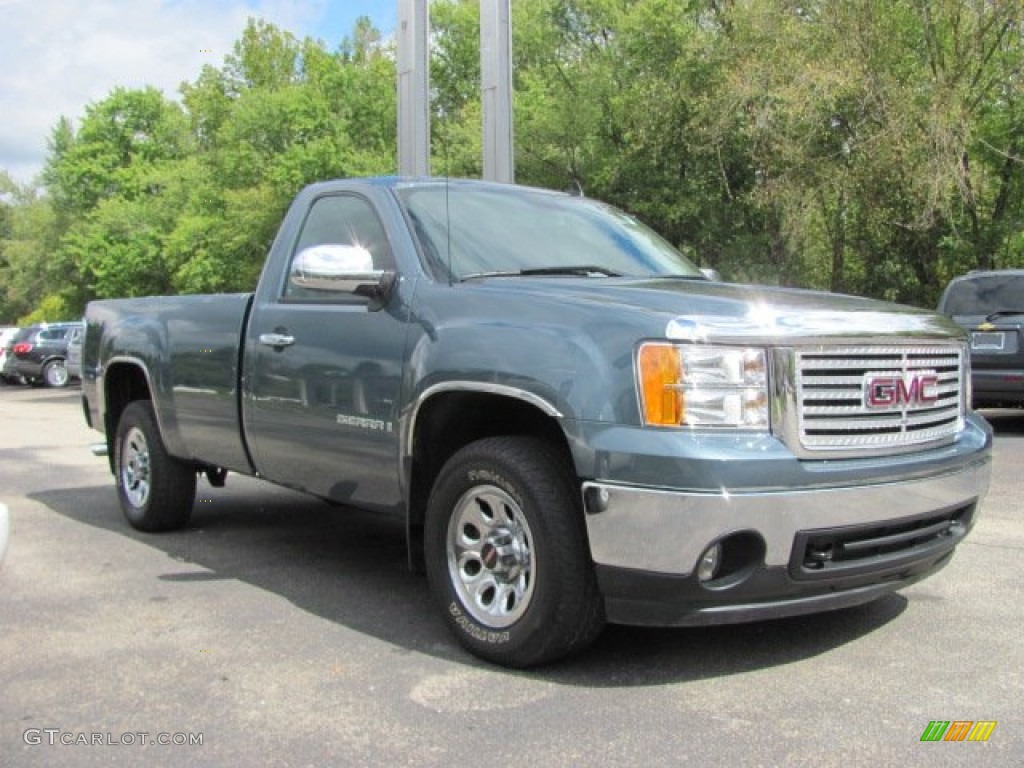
(731, 560)
(709, 563)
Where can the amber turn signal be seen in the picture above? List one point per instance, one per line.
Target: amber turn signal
(660, 374)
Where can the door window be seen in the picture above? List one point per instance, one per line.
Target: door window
(341, 235)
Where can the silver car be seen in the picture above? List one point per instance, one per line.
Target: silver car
(73, 362)
(7, 334)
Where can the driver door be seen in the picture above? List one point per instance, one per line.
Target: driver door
(324, 365)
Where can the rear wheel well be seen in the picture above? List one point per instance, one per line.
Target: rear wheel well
(451, 420)
(123, 384)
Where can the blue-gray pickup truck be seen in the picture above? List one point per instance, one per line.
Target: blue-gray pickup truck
(575, 423)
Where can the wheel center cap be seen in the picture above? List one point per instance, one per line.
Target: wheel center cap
(489, 556)
(502, 555)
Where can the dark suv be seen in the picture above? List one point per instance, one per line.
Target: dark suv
(990, 305)
(38, 353)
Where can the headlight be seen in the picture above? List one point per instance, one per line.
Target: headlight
(703, 385)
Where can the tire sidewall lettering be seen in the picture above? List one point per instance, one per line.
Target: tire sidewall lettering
(474, 630)
(480, 476)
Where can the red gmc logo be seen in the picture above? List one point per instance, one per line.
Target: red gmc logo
(894, 391)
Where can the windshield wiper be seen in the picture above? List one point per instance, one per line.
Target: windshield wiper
(582, 271)
(585, 270)
(1001, 312)
(496, 273)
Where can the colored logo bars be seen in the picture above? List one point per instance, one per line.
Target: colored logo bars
(958, 730)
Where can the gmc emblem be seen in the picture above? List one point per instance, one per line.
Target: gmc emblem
(888, 391)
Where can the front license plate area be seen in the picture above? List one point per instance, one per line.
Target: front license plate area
(988, 341)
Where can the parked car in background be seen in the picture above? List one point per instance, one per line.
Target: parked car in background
(7, 334)
(39, 352)
(73, 363)
(990, 306)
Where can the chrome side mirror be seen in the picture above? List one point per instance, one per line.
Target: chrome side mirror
(334, 269)
(711, 274)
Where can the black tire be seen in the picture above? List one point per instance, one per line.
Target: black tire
(507, 555)
(55, 374)
(156, 491)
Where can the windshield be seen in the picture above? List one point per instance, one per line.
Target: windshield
(985, 295)
(486, 230)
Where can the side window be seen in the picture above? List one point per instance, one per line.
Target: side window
(341, 234)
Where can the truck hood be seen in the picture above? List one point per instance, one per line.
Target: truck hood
(696, 310)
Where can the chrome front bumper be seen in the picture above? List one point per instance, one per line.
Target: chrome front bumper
(666, 531)
(801, 551)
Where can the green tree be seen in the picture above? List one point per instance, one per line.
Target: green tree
(282, 113)
(874, 148)
(28, 238)
(119, 138)
(108, 184)
(151, 197)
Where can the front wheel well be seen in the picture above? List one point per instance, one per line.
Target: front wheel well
(448, 422)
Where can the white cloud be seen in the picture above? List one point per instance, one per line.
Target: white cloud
(56, 56)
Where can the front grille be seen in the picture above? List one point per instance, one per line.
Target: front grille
(872, 398)
(851, 551)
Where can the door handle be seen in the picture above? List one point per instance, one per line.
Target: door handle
(276, 340)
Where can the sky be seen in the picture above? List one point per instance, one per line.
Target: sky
(57, 56)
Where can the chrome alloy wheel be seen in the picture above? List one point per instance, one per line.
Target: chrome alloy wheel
(56, 374)
(490, 556)
(135, 471)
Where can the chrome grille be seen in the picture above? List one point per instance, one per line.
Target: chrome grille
(868, 398)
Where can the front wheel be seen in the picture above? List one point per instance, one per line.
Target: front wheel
(156, 490)
(507, 555)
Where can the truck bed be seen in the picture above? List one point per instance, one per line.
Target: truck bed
(190, 347)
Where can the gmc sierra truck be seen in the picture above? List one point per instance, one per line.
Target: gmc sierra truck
(575, 423)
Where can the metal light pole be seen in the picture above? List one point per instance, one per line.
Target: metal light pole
(413, 89)
(495, 89)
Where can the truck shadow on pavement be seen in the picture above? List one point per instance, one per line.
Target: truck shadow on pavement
(350, 567)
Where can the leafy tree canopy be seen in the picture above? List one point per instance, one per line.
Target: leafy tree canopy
(872, 148)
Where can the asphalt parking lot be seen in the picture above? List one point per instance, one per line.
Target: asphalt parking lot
(278, 631)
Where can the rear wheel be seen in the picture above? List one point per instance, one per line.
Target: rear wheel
(156, 490)
(55, 374)
(507, 556)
